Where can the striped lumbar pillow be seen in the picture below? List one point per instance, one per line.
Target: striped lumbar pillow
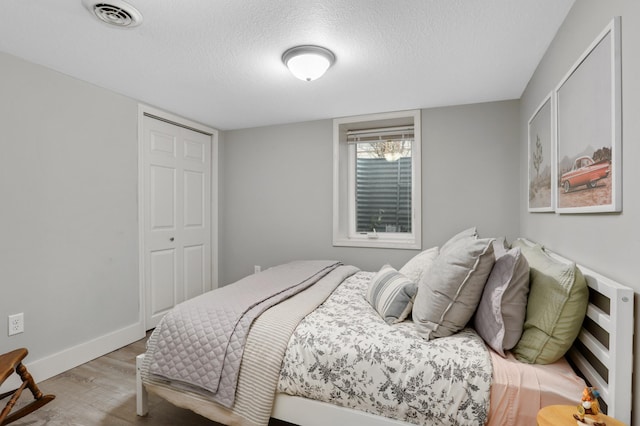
(391, 294)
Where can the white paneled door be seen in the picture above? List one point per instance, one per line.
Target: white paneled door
(177, 216)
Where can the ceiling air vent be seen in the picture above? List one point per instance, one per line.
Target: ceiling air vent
(114, 12)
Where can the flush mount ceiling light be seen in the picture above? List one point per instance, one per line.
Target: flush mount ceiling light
(308, 62)
(114, 12)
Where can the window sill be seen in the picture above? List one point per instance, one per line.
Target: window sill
(392, 243)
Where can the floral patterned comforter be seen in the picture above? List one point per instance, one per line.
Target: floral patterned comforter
(344, 353)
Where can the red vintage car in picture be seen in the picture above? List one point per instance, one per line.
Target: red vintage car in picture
(585, 171)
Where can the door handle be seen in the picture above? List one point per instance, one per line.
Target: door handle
(171, 239)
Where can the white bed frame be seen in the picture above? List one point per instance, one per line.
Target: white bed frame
(616, 357)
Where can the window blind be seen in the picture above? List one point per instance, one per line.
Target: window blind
(380, 134)
(383, 195)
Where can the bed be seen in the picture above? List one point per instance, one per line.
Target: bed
(290, 381)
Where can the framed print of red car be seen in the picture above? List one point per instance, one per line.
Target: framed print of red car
(588, 123)
(585, 171)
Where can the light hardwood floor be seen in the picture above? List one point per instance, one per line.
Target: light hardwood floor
(102, 392)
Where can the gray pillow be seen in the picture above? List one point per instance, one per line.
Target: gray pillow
(391, 294)
(503, 306)
(467, 233)
(450, 291)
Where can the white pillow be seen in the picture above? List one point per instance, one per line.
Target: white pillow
(418, 265)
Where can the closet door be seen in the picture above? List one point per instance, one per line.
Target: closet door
(177, 216)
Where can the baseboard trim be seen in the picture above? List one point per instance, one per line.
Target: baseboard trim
(52, 365)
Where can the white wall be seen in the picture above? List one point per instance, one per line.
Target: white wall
(68, 216)
(276, 188)
(607, 243)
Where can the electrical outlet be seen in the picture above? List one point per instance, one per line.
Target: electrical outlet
(256, 269)
(16, 324)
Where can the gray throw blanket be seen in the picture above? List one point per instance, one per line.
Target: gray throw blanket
(201, 341)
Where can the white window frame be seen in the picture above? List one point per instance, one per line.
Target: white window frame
(344, 198)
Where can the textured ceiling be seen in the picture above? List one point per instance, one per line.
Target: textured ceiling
(219, 62)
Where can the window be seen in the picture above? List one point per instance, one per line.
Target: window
(377, 179)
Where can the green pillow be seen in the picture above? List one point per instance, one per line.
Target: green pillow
(557, 304)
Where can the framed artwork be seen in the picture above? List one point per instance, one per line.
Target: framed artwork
(542, 158)
(588, 125)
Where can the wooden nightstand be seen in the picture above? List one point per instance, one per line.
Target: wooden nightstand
(562, 415)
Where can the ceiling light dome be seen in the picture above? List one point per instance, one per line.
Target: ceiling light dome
(308, 62)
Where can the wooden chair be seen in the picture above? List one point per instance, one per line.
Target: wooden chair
(10, 362)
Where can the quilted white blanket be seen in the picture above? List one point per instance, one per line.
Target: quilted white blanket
(201, 341)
